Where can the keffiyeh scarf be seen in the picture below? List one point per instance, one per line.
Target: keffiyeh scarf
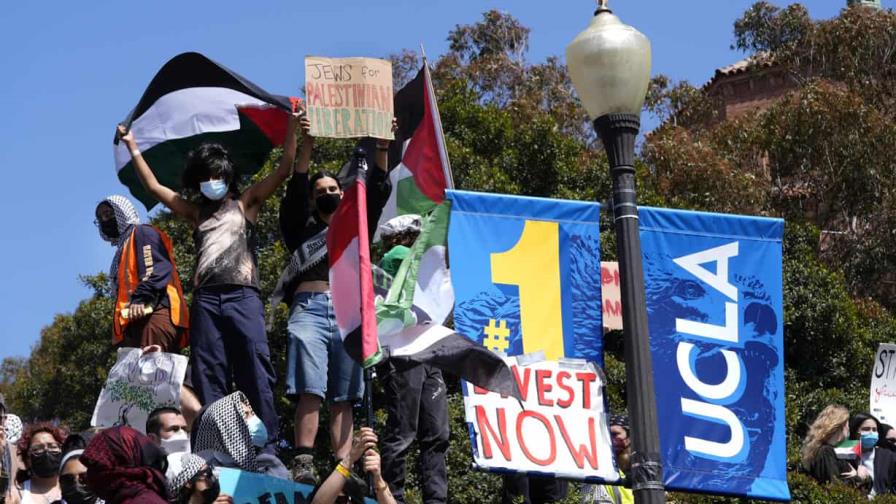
(223, 428)
(125, 467)
(126, 217)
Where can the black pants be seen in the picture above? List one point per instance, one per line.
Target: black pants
(418, 409)
(533, 489)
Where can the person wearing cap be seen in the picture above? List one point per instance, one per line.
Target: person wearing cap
(192, 481)
(416, 399)
(621, 493)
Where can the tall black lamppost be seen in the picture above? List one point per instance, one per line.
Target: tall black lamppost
(609, 64)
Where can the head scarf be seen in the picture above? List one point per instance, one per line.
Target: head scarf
(13, 428)
(126, 217)
(223, 428)
(621, 421)
(68, 456)
(182, 467)
(125, 467)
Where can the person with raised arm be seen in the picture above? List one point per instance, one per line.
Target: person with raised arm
(227, 315)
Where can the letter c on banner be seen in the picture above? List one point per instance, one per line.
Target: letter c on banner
(728, 389)
(730, 451)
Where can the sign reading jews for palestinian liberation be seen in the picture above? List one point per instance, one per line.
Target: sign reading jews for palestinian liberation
(526, 282)
(349, 97)
(562, 430)
(255, 488)
(883, 384)
(716, 317)
(137, 384)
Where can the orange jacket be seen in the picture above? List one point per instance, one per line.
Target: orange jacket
(128, 279)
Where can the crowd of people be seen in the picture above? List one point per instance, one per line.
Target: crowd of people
(859, 451)
(227, 417)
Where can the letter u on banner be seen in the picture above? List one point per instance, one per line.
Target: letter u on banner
(715, 311)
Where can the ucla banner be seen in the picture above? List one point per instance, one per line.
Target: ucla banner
(527, 283)
(715, 310)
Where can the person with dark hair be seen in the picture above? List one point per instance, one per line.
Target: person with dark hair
(73, 475)
(125, 467)
(622, 492)
(228, 334)
(875, 463)
(887, 437)
(40, 448)
(318, 367)
(168, 428)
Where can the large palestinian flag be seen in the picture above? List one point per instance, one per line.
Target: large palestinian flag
(193, 100)
(351, 280)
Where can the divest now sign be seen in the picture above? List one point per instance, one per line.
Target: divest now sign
(559, 429)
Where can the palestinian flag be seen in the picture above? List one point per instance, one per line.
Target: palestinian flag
(412, 308)
(193, 100)
(849, 449)
(351, 280)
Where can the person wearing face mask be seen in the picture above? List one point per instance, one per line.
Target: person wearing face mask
(73, 480)
(192, 481)
(150, 308)
(168, 428)
(318, 367)
(818, 457)
(875, 464)
(8, 457)
(621, 493)
(40, 449)
(228, 433)
(887, 437)
(228, 334)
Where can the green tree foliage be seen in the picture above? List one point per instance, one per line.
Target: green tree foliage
(822, 157)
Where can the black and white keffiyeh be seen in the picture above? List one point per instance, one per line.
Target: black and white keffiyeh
(306, 256)
(182, 467)
(223, 428)
(126, 217)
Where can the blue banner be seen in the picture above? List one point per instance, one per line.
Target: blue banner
(715, 310)
(254, 488)
(526, 274)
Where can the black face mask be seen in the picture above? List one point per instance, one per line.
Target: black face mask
(211, 493)
(46, 464)
(75, 493)
(110, 228)
(327, 203)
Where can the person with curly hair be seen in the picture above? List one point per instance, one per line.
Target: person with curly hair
(40, 451)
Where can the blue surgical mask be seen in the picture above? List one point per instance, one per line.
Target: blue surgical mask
(213, 189)
(258, 431)
(869, 439)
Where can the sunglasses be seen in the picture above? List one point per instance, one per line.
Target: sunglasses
(71, 479)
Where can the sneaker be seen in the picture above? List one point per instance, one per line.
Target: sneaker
(303, 470)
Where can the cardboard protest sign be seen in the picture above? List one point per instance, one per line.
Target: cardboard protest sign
(561, 428)
(137, 384)
(349, 97)
(611, 295)
(883, 384)
(255, 488)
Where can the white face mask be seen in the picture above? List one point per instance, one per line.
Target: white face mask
(179, 442)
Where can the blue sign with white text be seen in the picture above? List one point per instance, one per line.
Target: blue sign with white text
(715, 311)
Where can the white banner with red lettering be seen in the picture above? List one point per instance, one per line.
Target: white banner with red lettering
(560, 428)
(883, 384)
(611, 295)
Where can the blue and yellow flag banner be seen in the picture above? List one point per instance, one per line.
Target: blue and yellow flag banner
(526, 274)
(716, 317)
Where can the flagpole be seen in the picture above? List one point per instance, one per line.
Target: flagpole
(437, 119)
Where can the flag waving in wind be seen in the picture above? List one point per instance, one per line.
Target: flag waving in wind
(351, 279)
(415, 304)
(193, 100)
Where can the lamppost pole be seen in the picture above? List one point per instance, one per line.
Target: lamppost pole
(609, 64)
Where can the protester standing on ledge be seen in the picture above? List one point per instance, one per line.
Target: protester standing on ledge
(318, 366)
(227, 315)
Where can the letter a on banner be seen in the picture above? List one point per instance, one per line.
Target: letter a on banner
(715, 311)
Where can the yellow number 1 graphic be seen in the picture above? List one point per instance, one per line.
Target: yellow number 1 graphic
(533, 265)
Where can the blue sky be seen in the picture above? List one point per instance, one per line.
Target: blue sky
(72, 70)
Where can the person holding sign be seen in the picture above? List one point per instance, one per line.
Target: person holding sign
(227, 315)
(318, 366)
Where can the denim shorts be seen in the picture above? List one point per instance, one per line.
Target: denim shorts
(317, 362)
